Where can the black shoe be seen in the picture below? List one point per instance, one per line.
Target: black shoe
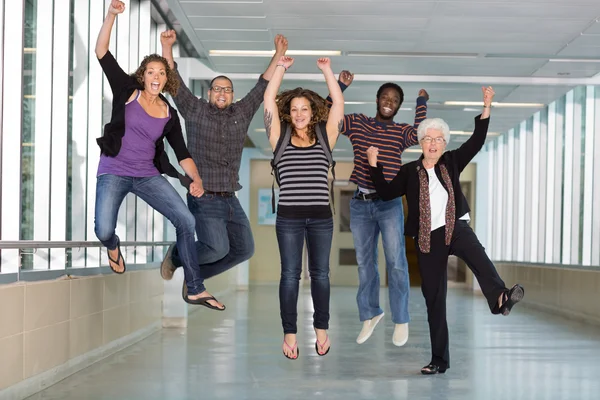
(433, 369)
(512, 297)
(202, 301)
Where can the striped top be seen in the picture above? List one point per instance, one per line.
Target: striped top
(391, 139)
(303, 182)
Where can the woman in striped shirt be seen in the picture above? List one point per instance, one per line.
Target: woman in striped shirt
(303, 211)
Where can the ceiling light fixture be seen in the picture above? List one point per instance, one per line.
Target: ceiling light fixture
(575, 60)
(499, 105)
(410, 54)
(270, 53)
(467, 133)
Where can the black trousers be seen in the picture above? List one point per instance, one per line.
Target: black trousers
(434, 281)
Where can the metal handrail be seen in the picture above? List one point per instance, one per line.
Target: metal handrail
(52, 244)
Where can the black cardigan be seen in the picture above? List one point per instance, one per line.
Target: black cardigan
(123, 86)
(407, 180)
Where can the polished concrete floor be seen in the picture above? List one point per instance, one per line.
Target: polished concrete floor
(237, 354)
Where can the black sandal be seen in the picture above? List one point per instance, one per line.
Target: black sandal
(120, 257)
(202, 301)
(512, 297)
(433, 369)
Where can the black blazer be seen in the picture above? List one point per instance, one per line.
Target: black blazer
(407, 180)
(123, 86)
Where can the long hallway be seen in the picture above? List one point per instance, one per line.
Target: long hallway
(237, 355)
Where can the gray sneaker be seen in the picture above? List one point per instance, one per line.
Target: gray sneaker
(167, 268)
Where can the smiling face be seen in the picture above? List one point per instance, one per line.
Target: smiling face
(301, 112)
(221, 93)
(155, 77)
(433, 145)
(388, 103)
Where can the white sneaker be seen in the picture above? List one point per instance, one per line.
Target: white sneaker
(367, 329)
(400, 336)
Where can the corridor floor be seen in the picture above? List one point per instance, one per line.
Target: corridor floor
(237, 354)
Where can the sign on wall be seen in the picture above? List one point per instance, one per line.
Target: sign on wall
(265, 214)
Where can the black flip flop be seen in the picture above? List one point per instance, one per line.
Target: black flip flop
(202, 301)
(120, 257)
(514, 295)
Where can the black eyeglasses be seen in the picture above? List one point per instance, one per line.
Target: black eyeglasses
(218, 89)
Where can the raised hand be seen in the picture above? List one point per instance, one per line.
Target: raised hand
(116, 7)
(346, 77)
(168, 38)
(281, 44)
(285, 61)
(324, 63)
(488, 96)
(372, 153)
(423, 93)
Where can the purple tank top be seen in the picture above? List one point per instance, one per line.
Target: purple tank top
(138, 146)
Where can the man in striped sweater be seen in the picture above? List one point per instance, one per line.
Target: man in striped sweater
(370, 215)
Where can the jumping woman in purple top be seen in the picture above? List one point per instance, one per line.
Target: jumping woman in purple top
(133, 157)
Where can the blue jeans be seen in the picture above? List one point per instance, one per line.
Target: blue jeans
(223, 231)
(367, 219)
(160, 195)
(291, 234)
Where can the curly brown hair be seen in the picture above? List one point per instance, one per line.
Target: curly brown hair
(318, 105)
(172, 84)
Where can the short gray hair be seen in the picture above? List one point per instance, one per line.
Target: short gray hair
(433, 123)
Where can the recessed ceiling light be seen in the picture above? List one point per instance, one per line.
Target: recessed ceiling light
(269, 53)
(260, 130)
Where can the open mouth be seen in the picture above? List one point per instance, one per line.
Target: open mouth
(155, 85)
(387, 110)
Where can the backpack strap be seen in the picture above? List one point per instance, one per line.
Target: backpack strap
(284, 139)
(321, 131)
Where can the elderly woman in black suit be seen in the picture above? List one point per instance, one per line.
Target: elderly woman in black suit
(438, 216)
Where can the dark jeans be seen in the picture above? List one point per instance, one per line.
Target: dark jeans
(224, 234)
(434, 285)
(160, 195)
(291, 234)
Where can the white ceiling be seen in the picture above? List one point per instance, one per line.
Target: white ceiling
(511, 41)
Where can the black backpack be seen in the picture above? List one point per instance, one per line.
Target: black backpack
(284, 140)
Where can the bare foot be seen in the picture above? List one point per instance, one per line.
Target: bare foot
(322, 340)
(114, 254)
(290, 345)
(211, 302)
(502, 299)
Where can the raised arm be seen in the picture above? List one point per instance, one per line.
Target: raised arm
(386, 190)
(187, 103)
(281, 46)
(335, 120)
(117, 78)
(469, 149)
(116, 7)
(250, 103)
(272, 125)
(410, 139)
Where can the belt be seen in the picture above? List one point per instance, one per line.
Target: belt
(366, 196)
(222, 194)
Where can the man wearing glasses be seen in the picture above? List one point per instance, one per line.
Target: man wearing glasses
(216, 131)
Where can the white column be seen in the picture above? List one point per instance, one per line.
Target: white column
(550, 183)
(12, 94)
(588, 185)
(79, 135)
(567, 181)
(42, 134)
(534, 185)
(95, 126)
(521, 172)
